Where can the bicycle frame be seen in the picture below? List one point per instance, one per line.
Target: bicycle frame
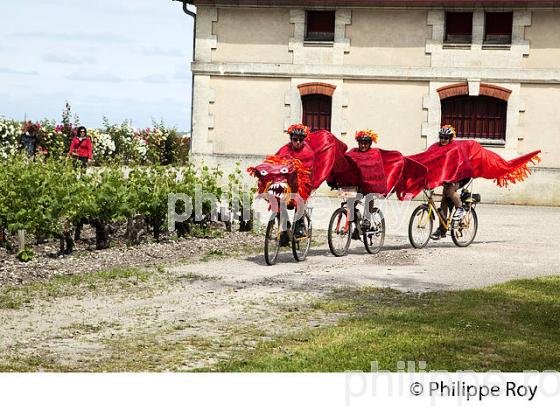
(432, 207)
(356, 217)
(284, 218)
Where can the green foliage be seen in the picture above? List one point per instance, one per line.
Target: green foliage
(25, 255)
(48, 197)
(150, 188)
(106, 196)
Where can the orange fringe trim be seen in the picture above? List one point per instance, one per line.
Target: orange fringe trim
(519, 174)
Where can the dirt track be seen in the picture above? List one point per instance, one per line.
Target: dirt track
(193, 315)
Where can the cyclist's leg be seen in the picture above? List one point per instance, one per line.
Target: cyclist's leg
(455, 199)
(369, 208)
(447, 202)
(445, 205)
(454, 196)
(299, 225)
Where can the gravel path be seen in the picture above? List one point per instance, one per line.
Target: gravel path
(194, 314)
(512, 242)
(86, 259)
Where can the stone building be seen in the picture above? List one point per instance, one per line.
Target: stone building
(402, 68)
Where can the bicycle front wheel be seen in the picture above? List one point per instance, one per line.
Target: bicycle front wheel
(374, 236)
(420, 226)
(464, 231)
(272, 240)
(340, 232)
(302, 243)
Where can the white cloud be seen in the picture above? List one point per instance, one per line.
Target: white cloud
(156, 51)
(95, 77)
(155, 79)
(63, 58)
(139, 50)
(4, 70)
(90, 37)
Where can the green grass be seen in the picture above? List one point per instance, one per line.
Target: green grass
(509, 327)
(15, 297)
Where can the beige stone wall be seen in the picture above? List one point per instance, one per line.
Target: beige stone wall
(544, 40)
(248, 115)
(393, 109)
(539, 122)
(388, 38)
(253, 35)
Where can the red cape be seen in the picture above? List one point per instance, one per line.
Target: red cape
(383, 172)
(468, 159)
(375, 171)
(329, 156)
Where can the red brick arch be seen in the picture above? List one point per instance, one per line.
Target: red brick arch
(453, 90)
(316, 88)
(489, 90)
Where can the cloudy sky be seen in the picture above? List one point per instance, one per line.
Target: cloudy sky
(125, 59)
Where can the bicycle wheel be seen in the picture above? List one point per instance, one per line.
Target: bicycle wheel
(374, 236)
(340, 232)
(420, 226)
(464, 231)
(301, 245)
(272, 240)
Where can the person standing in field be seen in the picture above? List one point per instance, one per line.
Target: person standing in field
(81, 148)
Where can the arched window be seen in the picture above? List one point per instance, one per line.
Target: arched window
(480, 117)
(317, 110)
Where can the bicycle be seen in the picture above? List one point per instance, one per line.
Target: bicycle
(463, 230)
(370, 229)
(280, 232)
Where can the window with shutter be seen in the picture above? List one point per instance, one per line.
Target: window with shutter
(317, 110)
(458, 27)
(320, 25)
(497, 28)
(479, 117)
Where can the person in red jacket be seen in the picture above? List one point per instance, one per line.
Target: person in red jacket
(81, 148)
(298, 148)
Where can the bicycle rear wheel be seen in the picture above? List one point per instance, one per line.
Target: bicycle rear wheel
(464, 231)
(301, 245)
(272, 240)
(340, 232)
(420, 226)
(374, 236)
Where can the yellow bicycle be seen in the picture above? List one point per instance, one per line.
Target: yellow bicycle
(463, 230)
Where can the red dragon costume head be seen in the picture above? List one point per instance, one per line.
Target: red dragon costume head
(281, 177)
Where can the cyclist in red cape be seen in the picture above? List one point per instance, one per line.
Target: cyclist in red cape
(451, 162)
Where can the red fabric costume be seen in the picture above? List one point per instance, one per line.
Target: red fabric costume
(382, 172)
(372, 177)
(307, 157)
(324, 157)
(468, 159)
(329, 157)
